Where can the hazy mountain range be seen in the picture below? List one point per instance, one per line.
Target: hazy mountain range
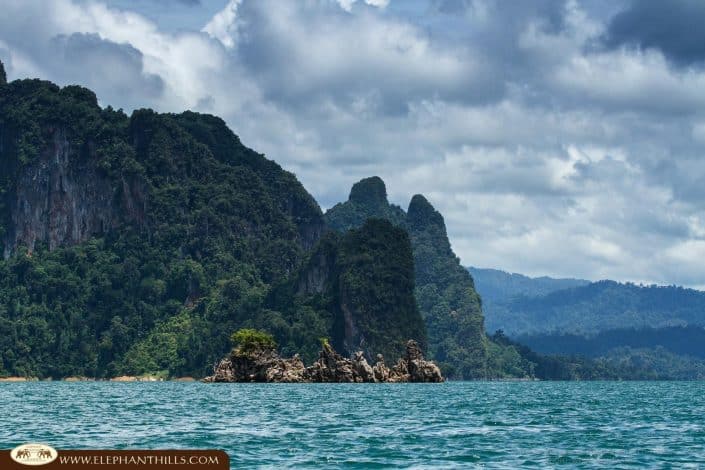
(592, 319)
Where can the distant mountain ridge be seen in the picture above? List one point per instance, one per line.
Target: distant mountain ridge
(599, 306)
(496, 285)
(681, 340)
(659, 327)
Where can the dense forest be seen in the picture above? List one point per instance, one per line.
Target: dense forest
(640, 332)
(623, 363)
(124, 234)
(680, 340)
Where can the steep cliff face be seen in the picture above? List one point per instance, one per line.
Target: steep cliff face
(72, 171)
(365, 277)
(61, 199)
(368, 198)
(376, 282)
(289, 195)
(321, 269)
(444, 291)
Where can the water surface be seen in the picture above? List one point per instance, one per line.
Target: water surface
(456, 424)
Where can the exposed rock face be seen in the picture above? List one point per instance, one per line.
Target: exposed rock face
(331, 367)
(304, 210)
(259, 366)
(365, 278)
(418, 368)
(380, 370)
(361, 369)
(369, 191)
(320, 271)
(70, 171)
(62, 199)
(265, 365)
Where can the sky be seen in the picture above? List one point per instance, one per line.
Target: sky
(557, 137)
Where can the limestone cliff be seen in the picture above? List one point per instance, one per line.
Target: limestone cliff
(72, 171)
(133, 229)
(366, 279)
(61, 198)
(444, 291)
(368, 199)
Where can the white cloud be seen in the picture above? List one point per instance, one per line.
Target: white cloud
(348, 4)
(223, 25)
(546, 154)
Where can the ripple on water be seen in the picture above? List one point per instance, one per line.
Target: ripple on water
(367, 425)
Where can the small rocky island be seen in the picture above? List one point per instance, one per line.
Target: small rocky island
(256, 360)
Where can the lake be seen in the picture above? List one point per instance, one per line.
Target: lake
(455, 424)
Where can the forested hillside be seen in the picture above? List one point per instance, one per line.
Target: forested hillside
(643, 332)
(681, 340)
(138, 244)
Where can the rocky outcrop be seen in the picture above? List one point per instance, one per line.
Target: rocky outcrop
(419, 369)
(265, 365)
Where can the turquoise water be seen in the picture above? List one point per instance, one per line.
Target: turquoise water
(498, 425)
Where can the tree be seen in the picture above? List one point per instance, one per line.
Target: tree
(249, 340)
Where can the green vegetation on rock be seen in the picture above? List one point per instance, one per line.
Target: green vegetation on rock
(361, 286)
(444, 291)
(248, 340)
(368, 199)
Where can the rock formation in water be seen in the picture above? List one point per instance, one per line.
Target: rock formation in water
(444, 290)
(265, 365)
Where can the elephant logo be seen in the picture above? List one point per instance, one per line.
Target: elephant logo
(33, 454)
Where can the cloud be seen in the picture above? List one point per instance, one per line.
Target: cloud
(674, 28)
(554, 139)
(223, 25)
(115, 69)
(347, 5)
(307, 55)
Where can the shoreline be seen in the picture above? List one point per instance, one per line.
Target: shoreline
(118, 379)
